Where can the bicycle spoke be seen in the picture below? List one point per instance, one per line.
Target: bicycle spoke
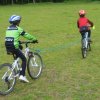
(33, 62)
(7, 81)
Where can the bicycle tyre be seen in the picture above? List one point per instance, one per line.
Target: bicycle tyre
(6, 79)
(35, 63)
(84, 52)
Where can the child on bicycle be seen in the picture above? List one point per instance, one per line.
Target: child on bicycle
(12, 44)
(84, 24)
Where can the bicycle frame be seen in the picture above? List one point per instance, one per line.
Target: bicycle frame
(15, 65)
(16, 61)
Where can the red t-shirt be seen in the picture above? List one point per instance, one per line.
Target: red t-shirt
(83, 21)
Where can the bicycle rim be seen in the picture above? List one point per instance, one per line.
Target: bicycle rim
(7, 79)
(35, 66)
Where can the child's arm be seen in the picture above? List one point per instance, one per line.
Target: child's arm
(77, 24)
(91, 23)
(26, 35)
(29, 37)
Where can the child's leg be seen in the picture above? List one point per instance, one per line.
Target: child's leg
(23, 58)
(83, 35)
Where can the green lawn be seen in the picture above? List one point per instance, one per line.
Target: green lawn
(66, 76)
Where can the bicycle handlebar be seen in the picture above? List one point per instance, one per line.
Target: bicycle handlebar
(26, 42)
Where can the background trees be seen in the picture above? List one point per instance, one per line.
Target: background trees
(5, 2)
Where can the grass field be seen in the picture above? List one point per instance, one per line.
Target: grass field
(66, 76)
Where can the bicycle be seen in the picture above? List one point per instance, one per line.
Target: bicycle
(10, 72)
(86, 46)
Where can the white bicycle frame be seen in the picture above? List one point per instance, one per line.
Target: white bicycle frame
(15, 65)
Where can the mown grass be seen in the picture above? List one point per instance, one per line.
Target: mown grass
(66, 76)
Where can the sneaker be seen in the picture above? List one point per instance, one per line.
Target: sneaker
(23, 78)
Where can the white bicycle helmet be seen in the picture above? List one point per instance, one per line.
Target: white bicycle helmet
(14, 19)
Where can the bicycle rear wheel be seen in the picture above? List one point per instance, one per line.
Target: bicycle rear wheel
(35, 65)
(7, 79)
(84, 52)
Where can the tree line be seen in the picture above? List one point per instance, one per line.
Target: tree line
(4, 2)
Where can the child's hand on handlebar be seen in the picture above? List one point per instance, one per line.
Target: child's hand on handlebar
(93, 27)
(35, 41)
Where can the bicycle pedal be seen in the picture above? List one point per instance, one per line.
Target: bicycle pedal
(16, 75)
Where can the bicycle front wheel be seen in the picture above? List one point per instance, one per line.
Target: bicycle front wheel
(7, 79)
(35, 65)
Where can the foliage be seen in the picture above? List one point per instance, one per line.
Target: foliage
(5, 2)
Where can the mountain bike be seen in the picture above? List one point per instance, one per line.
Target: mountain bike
(86, 46)
(10, 72)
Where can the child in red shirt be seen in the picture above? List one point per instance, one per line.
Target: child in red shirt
(84, 24)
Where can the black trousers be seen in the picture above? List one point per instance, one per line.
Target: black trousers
(19, 54)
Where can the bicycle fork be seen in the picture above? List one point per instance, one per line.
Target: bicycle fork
(34, 63)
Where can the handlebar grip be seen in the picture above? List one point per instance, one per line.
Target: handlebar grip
(36, 41)
(26, 42)
(93, 27)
